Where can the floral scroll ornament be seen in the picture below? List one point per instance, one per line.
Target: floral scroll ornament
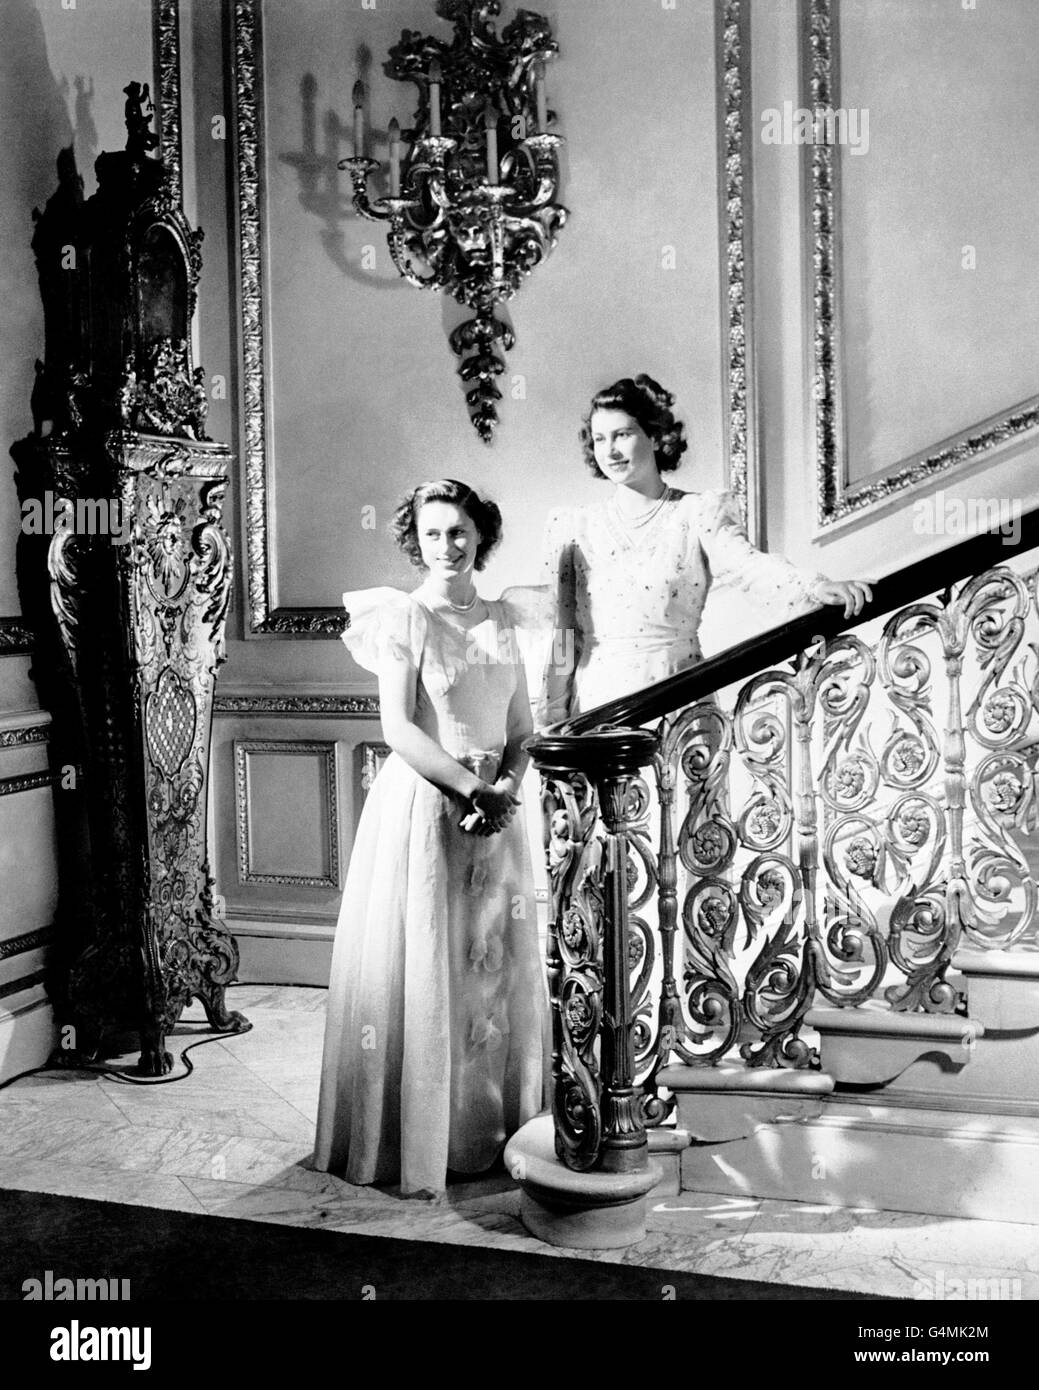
(861, 857)
(1004, 793)
(914, 823)
(1000, 712)
(764, 821)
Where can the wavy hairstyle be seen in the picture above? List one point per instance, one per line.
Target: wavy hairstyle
(646, 401)
(483, 513)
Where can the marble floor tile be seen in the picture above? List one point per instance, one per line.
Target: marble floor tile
(22, 1107)
(881, 1252)
(102, 1185)
(282, 998)
(330, 1206)
(703, 1216)
(60, 1137)
(885, 1276)
(909, 1236)
(502, 1203)
(234, 1138)
(271, 1118)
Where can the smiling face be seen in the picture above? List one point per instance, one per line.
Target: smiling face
(448, 540)
(624, 451)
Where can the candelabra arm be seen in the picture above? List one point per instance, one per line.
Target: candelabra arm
(360, 169)
(438, 192)
(542, 152)
(397, 242)
(473, 209)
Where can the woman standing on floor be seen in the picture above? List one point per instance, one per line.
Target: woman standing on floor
(437, 1007)
(630, 575)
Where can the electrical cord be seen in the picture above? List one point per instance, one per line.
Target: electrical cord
(125, 1078)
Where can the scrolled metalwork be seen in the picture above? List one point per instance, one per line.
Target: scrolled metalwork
(797, 863)
(853, 943)
(574, 967)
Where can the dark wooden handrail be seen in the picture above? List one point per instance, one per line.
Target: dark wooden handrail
(907, 585)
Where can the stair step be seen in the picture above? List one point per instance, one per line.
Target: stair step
(862, 1153)
(731, 1101)
(873, 1044)
(1002, 987)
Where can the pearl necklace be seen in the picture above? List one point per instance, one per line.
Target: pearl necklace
(441, 600)
(645, 517)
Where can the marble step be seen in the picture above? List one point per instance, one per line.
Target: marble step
(874, 1044)
(860, 1152)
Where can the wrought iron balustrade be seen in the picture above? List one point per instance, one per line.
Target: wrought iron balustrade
(865, 802)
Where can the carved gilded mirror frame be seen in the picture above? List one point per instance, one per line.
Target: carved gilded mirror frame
(837, 498)
(732, 67)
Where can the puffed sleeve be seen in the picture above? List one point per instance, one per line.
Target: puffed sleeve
(557, 676)
(384, 625)
(770, 581)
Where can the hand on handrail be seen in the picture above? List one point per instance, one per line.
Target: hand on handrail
(853, 593)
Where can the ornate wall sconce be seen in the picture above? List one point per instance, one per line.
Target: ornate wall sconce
(471, 208)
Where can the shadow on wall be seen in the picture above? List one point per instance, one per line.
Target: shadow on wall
(326, 193)
(35, 121)
(325, 190)
(38, 162)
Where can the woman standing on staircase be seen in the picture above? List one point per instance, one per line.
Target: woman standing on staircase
(437, 1007)
(630, 575)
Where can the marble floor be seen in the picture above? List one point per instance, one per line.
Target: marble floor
(234, 1139)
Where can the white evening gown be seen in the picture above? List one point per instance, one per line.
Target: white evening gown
(634, 598)
(435, 1042)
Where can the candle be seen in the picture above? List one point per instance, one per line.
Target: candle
(394, 159)
(539, 93)
(358, 120)
(434, 97)
(490, 119)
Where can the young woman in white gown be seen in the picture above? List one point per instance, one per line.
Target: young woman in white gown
(435, 1043)
(630, 575)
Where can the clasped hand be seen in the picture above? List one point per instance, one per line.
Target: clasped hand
(491, 809)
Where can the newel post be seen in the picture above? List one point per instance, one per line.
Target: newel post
(585, 1169)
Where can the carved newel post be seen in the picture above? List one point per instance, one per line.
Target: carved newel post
(585, 1171)
(129, 607)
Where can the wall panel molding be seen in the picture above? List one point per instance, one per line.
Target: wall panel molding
(28, 941)
(346, 706)
(735, 125)
(373, 755)
(16, 637)
(29, 781)
(325, 753)
(27, 734)
(9, 987)
(836, 499)
(732, 85)
(166, 42)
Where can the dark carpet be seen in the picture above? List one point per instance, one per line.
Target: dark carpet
(171, 1255)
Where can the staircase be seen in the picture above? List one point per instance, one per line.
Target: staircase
(909, 1112)
(794, 948)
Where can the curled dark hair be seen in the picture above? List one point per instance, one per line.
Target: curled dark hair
(646, 401)
(483, 513)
